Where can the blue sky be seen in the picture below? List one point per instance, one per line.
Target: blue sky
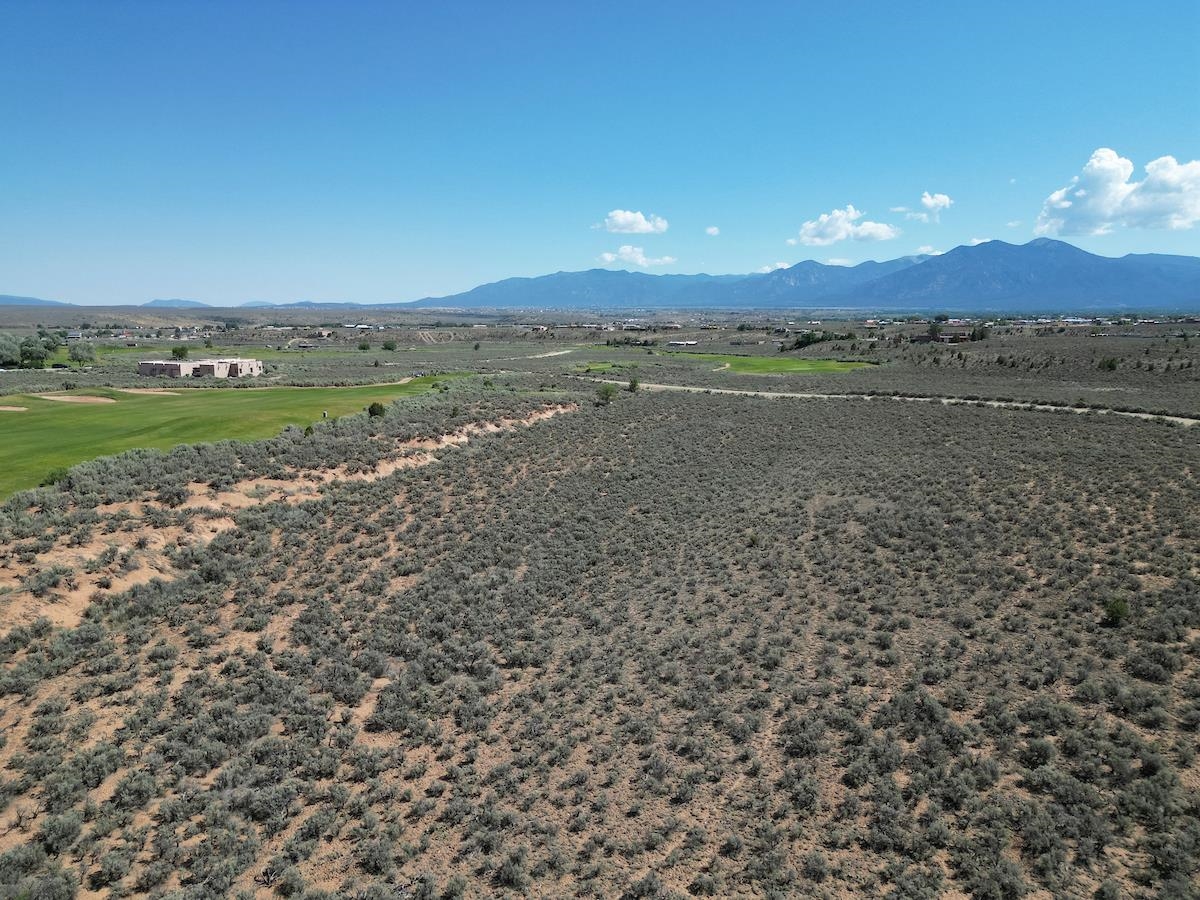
(331, 151)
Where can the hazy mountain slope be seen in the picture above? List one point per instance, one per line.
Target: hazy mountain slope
(1041, 274)
(10, 300)
(176, 304)
(592, 288)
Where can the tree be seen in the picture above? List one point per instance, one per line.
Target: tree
(376, 409)
(33, 353)
(10, 351)
(389, 345)
(605, 394)
(81, 353)
(633, 384)
(179, 352)
(364, 345)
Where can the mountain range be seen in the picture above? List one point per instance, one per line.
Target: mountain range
(1041, 276)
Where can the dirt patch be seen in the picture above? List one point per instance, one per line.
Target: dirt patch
(76, 398)
(14, 408)
(151, 391)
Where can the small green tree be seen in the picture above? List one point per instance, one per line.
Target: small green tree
(376, 409)
(634, 384)
(10, 351)
(364, 345)
(81, 353)
(605, 394)
(33, 353)
(180, 352)
(389, 345)
(1116, 611)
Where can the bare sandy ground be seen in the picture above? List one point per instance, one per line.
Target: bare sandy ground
(148, 391)
(14, 408)
(551, 353)
(76, 398)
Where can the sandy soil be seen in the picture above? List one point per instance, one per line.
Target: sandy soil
(14, 408)
(148, 391)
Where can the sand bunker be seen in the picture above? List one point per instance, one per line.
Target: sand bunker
(14, 408)
(76, 398)
(149, 391)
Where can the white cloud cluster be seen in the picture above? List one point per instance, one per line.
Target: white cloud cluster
(624, 221)
(839, 261)
(928, 250)
(772, 268)
(627, 253)
(933, 203)
(1102, 197)
(842, 224)
(712, 230)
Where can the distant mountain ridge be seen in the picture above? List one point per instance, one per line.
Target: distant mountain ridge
(10, 300)
(1041, 276)
(993, 276)
(177, 304)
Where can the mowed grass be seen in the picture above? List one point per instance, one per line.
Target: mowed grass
(52, 434)
(769, 365)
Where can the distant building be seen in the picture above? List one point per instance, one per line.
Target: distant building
(231, 367)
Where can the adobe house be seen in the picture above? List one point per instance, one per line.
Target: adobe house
(230, 367)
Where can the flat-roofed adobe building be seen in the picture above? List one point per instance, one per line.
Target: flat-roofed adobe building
(230, 367)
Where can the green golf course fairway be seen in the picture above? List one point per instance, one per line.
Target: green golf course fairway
(769, 365)
(52, 433)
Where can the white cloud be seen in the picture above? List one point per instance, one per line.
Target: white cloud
(792, 242)
(1015, 223)
(778, 265)
(712, 230)
(624, 221)
(926, 250)
(839, 261)
(842, 224)
(975, 242)
(1102, 197)
(933, 203)
(627, 253)
(898, 209)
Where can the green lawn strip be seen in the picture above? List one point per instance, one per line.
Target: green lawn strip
(762, 365)
(52, 434)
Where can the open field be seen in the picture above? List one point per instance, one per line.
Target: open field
(505, 644)
(50, 433)
(757, 633)
(770, 365)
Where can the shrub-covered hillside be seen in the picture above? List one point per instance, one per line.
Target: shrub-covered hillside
(675, 645)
